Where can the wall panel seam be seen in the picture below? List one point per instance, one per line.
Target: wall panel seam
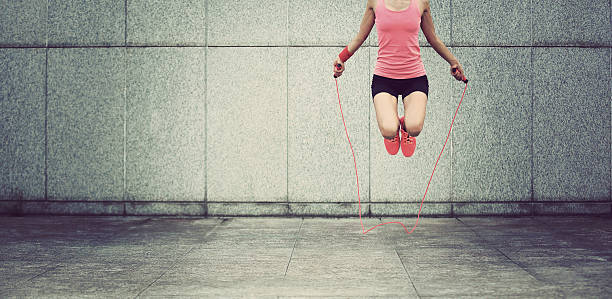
(206, 24)
(125, 15)
(125, 120)
(368, 90)
(46, 88)
(47, 27)
(452, 149)
(46, 170)
(287, 107)
(531, 82)
(451, 23)
(531, 147)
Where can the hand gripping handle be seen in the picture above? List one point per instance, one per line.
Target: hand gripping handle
(465, 80)
(338, 67)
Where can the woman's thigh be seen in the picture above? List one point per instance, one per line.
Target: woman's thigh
(415, 109)
(385, 105)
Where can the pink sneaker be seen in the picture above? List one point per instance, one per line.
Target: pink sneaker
(407, 142)
(392, 145)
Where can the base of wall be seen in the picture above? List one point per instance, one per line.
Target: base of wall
(283, 209)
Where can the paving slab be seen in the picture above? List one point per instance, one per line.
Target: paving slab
(273, 257)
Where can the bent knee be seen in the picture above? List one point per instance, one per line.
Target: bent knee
(389, 129)
(414, 128)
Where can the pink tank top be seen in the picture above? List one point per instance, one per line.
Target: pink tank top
(399, 54)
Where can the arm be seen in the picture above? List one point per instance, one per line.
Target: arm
(367, 23)
(429, 31)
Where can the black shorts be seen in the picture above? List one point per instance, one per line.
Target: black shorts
(397, 87)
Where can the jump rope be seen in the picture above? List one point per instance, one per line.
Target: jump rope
(339, 67)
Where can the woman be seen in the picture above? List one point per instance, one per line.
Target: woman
(399, 69)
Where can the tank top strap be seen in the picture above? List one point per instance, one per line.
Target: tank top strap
(416, 7)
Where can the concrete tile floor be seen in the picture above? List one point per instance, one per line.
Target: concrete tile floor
(294, 257)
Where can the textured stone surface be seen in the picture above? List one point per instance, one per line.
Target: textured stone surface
(441, 15)
(325, 23)
(247, 23)
(492, 209)
(328, 209)
(324, 270)
(247, 209)
(23, 23)
(570, 124)
(336, 234)
(19, 208)
(253, 234)
(72, 208)
(165, 208)
(321, 167)
(568, 23)
(162, 257)
(14, 208)
(86, 123)
(86, 251)
(166, 23)
(233, 265)
(22, 123)
(430, 233)
(492, 23)
(550, 208)
(486, 272)
(503, 151)
(86, 23)
(569, 251)
(411, 209)
(492, 133)
(247, 124)
(401, 179)
(166, 128)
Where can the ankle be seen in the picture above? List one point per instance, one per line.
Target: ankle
(389, 138)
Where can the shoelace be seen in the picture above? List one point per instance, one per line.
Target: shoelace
(394, 138)
(408, 140)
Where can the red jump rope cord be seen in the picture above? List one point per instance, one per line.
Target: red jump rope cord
(432, 173)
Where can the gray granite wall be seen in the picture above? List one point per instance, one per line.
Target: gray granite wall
(195, 107)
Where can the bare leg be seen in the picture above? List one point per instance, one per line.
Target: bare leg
(414, 112)
(386, 114)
